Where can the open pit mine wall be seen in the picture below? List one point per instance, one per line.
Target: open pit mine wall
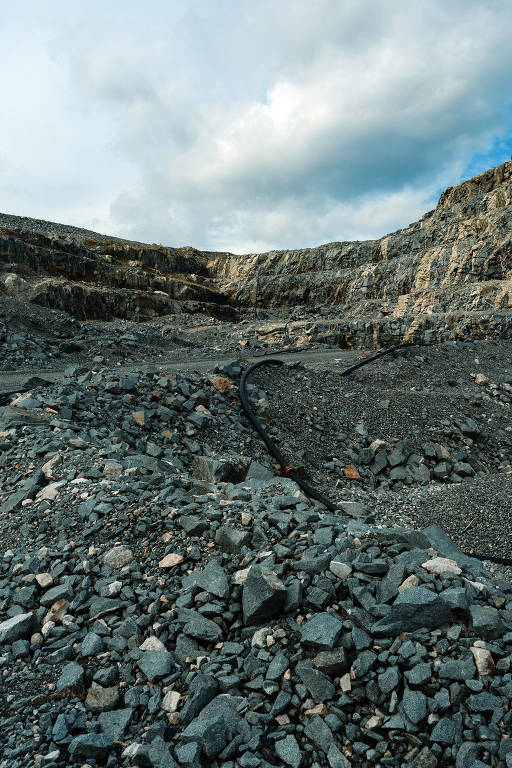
(100, 281)
(447, 276)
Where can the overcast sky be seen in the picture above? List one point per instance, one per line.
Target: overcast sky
(247, 125)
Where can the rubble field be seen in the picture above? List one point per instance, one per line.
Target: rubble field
(168, 598)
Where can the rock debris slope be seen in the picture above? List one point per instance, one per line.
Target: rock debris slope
(168, 600)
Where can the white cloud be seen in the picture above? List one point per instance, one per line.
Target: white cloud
(246, 127)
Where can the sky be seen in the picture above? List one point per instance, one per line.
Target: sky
(249, 125)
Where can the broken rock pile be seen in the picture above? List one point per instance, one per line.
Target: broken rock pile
(162, 604)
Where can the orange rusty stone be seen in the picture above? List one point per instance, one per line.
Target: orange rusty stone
(221, 383)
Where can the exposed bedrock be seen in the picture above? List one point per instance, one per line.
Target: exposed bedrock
(447, 276)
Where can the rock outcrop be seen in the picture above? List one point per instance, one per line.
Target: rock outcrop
(447, 276)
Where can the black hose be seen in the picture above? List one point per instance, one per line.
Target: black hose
(272, 448)
(289, 471)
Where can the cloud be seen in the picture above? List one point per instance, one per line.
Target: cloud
(247, 127)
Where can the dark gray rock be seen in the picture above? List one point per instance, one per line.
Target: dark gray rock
(189, 755)
(318, 684)
(444, 732)
(486, 621)
(193, 525)
(204, 630)
(363, 663)
(389, 679)
(289, 752)
(91, 745)
(231, 539)
(214, 727)
(319, 733)
(116, 722)
(322, 631)
(414, 608)
(467, 754)
(201, 691)
(212, 579)
(263, 596)
(16, 628)
(483, 702)
(332, 662)
(156, 664)
(414, 705)
(71, 680)
(458, 669)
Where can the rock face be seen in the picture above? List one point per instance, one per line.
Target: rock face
(447, 276)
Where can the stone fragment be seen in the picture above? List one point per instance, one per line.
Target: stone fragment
(444, 732)
(214, 726)
(203, 629)
(57, 593)
(101, 699)
(112, 468)
(318, 684)
(332, 662)
(340, 569)
(467, 754)
(438, 565)
(118, 556)
(322, 631)
(212, 579)
(231, 539)
(115, 723)
(337, 759)
(289, 752)
(201, 691)
(483, 660)
(193, 525)
(170, 560)
(483, 702)
(16, 628)
(458, 669)
(354, 508)
(56, 612)
(44, 580)
(91, 745)
(221, 384)
(71, 680)
(319, 733)
(389, 679)
(170, 701)
(410, 581)
(138, 417)
(414, 704)
(156, 664)
(189, 755)
(414, 608)
(486, 621)
(263, 596)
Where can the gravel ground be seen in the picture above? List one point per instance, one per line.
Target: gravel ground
(417, 398)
